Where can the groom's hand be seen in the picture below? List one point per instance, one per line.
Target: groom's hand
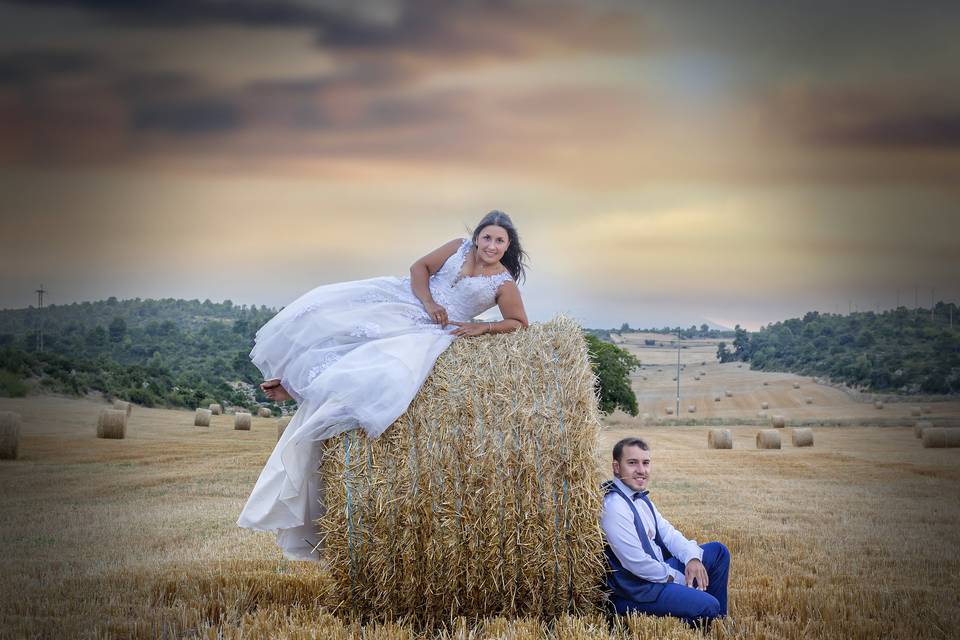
(696, 572)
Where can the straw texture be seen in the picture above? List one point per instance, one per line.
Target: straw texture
(919, 426)
(938, 438)
(484, 497)
(778, 422)
(282, 425)
(768, 439)
(264, 412)
(112, 423)
(216, 409)
(9, 435)
(202, 418)
(802, 437)
(720, 439)
(241, 421)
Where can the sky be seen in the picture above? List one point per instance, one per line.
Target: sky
(665, 163)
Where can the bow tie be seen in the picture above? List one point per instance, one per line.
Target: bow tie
(640, 494)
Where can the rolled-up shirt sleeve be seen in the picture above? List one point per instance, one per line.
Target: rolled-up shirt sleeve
(622, 537)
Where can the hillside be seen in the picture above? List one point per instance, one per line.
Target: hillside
(154, 352)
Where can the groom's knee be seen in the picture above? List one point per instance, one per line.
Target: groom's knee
(718, 554)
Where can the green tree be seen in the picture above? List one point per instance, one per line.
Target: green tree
(612, 366)
(741, 343)
(118, 329)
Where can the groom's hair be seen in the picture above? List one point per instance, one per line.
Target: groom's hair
(628, 442)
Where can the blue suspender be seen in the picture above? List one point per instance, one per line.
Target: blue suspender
(644, 539)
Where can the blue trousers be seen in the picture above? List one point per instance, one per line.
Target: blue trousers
(691, 605)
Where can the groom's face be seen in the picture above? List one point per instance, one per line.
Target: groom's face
(633, 467)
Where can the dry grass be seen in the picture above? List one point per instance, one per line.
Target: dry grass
(809, 530)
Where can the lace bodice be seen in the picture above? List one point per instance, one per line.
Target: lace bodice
(466, 297)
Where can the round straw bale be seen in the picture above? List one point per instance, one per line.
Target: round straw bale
(796, 385)
(669, 411)
(241, 421)
(801, 437)
(9, 435)
(878, 404)
(919, 426)
(764, 405)
(674, 378)
(122, 405)
(216, 409)
(696, 377)
(282, 425)
(915, 412)
(264, 412)
(692, 409)
(939, 437)
(202, 418)
(808, 400)
(728, 393)
(765, 383)
(703, 373)
(768, 439)
(716, 397)
(483, 497)
(928, 410)
(778, 422)
(739, 366)
(112, 423)
(719, 439)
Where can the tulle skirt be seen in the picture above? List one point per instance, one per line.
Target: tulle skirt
(353, 355)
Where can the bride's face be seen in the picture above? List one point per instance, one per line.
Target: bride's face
(492, 243)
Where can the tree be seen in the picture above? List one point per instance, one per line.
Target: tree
(704, 328)
(118, 329)
(741, 343)
(625, 327)
(722, 354)
(612, 366)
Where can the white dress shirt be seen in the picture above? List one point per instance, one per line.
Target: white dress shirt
(621, 534)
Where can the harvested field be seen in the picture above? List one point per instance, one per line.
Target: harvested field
(167, 498)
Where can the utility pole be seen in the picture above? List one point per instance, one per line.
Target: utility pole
(678, 379)
(40, 293)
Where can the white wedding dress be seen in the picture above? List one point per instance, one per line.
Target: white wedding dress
(352, 354)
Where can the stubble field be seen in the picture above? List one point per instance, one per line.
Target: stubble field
(856, 537)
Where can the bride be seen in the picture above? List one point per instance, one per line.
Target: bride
(354, 354)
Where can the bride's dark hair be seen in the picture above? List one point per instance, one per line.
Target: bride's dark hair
(514, 258)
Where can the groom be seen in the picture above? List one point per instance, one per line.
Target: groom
(653, 568)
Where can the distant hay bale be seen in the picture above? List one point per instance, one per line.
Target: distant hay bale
(692, 409)
(796, 385)
(112, 424)
(768, 439)
(9, 435)
(808, 400)
(242, 421)
(703, 373)
(802, 437)
(739, 366)
(264, 412)
(765, 383)
(939, 438)
(728, 393)
(216, 409)
(282, 425)
(669, 411)
(915, 412)
(673, 379)
(720, 439)
(778, 422)
(716, 397)
(928, 410)
(919, 426)
(122, 405)
(202, 418)
(483, 497)
(878, 404)
(764, 405)
(696, 377)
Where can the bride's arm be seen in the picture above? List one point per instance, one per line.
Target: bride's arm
(511, 308)
(420, 272)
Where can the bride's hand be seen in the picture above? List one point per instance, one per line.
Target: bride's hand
(437, 313)
(469, 328)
